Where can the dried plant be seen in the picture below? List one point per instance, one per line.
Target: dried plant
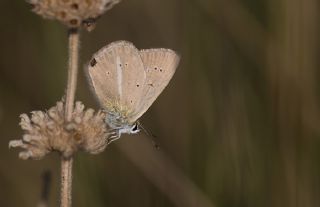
(73, 13)
(66, 128)
(48, 131)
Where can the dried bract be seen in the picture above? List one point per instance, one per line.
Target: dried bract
(73, 13)
(47, 131)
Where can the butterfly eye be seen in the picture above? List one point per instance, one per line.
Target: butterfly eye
(135, 128)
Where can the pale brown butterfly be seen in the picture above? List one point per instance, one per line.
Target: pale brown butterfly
(127, 81)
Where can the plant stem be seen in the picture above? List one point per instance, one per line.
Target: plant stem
(66, 182)
(66, 164)
(72, 72)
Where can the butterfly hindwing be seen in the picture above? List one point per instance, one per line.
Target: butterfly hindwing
(160, 65)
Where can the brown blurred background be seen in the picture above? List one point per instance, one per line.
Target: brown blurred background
(238, 125)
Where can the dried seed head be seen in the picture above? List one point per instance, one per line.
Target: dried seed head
(73, 13)
(47, 131)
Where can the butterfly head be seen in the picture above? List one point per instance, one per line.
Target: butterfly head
(130, 129)
(124, 129)
(118, 120)
(135, 128)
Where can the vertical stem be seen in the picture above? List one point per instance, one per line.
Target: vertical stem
(66, 182)
(66, 164)
(72, 72)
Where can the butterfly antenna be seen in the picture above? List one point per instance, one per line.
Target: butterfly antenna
(149, 134)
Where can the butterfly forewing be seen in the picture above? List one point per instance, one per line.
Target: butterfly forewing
(117, 75)
(160, 65)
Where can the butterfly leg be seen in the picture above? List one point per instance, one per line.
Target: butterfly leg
(112, 136)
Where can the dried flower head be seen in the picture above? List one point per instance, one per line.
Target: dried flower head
(73, 13)
(48, 131)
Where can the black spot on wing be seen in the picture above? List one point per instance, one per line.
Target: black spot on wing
(93, 62)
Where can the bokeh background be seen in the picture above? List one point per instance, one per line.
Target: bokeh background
(238, 125)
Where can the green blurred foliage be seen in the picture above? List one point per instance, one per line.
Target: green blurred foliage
(239, 122)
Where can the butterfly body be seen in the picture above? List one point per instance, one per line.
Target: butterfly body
(117, 120)
(127, 81)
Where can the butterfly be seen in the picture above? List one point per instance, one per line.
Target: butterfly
(127, 81)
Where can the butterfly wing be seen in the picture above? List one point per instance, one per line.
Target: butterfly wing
(160, 65)
(117, 75)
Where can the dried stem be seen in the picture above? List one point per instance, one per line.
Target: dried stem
(73, 71)
(66, 182)
(66, 164)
